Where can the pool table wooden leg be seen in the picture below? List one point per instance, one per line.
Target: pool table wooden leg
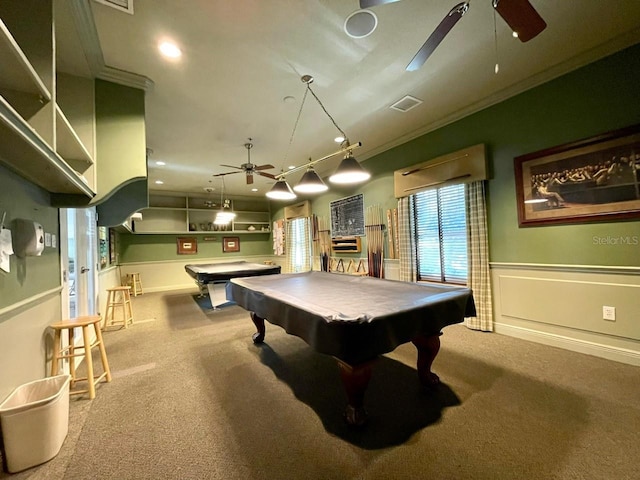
(258, 337)
(428, 347)
(355, 379)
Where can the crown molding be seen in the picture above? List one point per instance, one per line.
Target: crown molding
(90, 44)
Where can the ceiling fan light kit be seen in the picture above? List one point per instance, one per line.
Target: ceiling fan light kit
(249, 168)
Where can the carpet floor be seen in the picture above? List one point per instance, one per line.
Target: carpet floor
(193, 398)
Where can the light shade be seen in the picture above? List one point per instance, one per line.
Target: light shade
(281, 191)
(223, 217)
(349, 171)
(311, 183)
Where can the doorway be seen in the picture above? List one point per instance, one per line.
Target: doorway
(78, 255)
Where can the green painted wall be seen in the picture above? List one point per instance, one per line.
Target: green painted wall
(148, 248)
(30, 275)
(120, 137)
(595, 99)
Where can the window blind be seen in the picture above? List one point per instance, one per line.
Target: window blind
(441, 229)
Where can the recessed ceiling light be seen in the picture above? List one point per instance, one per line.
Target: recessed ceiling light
(291, 167)
(159, 182)
(339, 139)
(160, 163)
(515, 34)
(289, 99)
(254, 189)
(169, 49)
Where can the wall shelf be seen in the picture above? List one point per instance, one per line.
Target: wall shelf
(17, 73)
(345, 244)
(188, 214)
(36, 139)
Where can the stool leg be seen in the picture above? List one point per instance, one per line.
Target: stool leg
(72, 359)
(128, 309)
(125, 319)
(103, 354)
(57, 346)
(87, 357)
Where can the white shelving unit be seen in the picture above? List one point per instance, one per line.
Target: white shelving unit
(182, 214)
(36, 138)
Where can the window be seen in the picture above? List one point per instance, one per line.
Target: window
(441, 228)
(298, 245)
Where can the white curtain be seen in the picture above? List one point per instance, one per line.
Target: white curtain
(407, 240)
(479, 279)
(298, 245)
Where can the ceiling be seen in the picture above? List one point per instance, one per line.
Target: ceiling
(242, 58)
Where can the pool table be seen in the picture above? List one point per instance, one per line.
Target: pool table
(355, 319)
(212, 277)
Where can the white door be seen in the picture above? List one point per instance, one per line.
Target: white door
(79, 254)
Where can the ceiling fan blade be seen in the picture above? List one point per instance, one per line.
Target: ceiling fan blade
(438, 34)
(223, 174)
(373, 3)
(521, 17)
(263, 167)
(232, 166)
(249, 178)
(268, 175)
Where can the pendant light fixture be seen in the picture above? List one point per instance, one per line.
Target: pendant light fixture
(349, 170)
(281, 191)
(225, 215)
(311, 182)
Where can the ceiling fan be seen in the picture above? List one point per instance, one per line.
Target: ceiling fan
(519, 15)
(249, 168)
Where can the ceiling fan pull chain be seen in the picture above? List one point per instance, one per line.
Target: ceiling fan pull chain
(495, 36)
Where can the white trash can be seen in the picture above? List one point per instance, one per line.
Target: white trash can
(35, 422)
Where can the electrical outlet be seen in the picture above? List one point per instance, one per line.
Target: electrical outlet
(609, 313)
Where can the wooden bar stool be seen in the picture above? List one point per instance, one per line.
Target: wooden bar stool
(118, 297)
(133, 280)
(71, 351)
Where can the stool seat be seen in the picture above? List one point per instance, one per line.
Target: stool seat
(71, 351)
(133, 280)
(118, 297)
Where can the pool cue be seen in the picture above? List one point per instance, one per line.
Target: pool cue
(392, 249)
(375, 241)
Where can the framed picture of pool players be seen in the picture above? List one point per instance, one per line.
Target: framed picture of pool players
(230, 244)
(594, 179)
(187, 245)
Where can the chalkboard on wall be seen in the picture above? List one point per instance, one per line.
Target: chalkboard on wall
(347, 216)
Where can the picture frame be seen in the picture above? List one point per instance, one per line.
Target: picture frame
(112, 246)
(230, 244)
(103, 246)
(187, 245)
(590, 180)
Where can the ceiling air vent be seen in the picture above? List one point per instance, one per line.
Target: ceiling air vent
(122, 5)
(406, 103)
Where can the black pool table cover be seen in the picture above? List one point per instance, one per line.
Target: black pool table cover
(353, 318)
(220, 272)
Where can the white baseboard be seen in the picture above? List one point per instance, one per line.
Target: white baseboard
(621, 355)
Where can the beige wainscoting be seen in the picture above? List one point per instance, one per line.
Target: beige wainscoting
(561, 305)
(162, 276)
(25, 339)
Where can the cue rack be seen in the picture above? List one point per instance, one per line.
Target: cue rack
(374, 230)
